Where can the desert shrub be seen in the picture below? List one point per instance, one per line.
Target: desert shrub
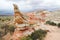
(7, 19)
(11, 28)
(39, 34)
(0, 18)
(5, 27)
(0, 33)
(47, 22)
(3, 20)
(51, 23)
(58, 25)
(26, 38)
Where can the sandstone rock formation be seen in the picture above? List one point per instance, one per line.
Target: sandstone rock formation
(24, 28)
(18, 15)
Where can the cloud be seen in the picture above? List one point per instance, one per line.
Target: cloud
(13, 0)
(5, 5)
(29, 5)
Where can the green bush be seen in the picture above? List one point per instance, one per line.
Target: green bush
(51, 23)
(11, 29)
(8, 19)
(58, 25)
(39, 34)
(3, 20)
(48, 22)
(0, 18)
(0, 33)
(5, 27)
(26, 38)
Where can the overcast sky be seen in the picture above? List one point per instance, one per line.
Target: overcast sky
(28, 5)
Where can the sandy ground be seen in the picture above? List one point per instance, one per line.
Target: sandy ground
(54, 33)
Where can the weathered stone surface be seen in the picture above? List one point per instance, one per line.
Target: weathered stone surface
(18, 15)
